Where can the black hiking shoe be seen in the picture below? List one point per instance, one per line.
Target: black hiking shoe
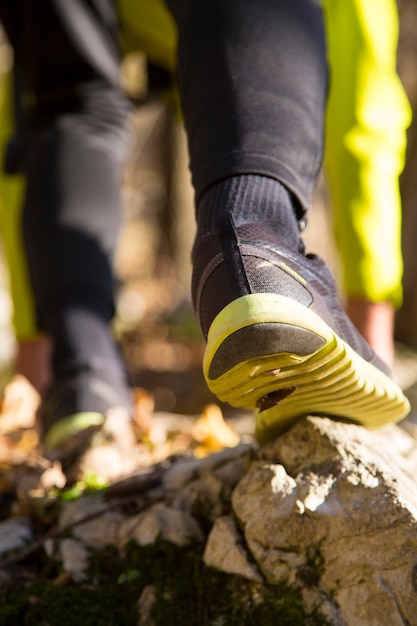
(74, 408)
(278, 338)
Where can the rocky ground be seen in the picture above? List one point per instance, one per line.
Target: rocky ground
(182, 520)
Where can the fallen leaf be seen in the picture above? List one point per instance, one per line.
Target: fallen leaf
(143, 411)
(212, 432)
(19, 405)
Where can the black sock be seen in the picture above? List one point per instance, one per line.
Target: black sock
(251, 198)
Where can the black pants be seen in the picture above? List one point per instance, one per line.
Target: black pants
(253, 81)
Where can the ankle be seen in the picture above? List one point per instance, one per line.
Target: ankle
(251, 199)
(375, 322)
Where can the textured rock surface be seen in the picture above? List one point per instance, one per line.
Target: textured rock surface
(330, 506)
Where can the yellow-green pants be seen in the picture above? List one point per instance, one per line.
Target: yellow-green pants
(367, 117)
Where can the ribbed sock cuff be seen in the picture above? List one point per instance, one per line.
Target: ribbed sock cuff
(251, 198)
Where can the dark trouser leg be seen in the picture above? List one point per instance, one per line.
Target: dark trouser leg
(71, 220)
(74, 142)
(253, 82)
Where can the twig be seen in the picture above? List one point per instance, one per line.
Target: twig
(55, 532)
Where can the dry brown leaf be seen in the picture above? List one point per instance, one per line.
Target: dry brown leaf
(6, 449)
(64, 578)
(27, 443)
(19, 405)
(212, 432)
(53, 476)
(143, 411)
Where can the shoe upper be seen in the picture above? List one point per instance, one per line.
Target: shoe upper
(84, 387)
(232, 262)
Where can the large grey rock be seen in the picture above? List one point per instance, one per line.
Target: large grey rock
(331, 507)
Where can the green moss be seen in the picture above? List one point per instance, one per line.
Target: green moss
(313, 570)
(45, 604)
(91, 484)
(187, 594)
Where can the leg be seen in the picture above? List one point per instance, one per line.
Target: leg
(32, 347)
(367, 117)
(74, 141)
(375, 321)
(278, 338)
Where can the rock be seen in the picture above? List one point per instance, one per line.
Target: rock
(74, 558)
(202, 498)
(146, 605)
(101, 527)
(327, 509)
(329, 506)
(224, 551)
(160, 522)
(15, 533)
(184, 471)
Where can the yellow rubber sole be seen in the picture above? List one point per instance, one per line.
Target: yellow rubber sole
(271, 354)
(75, 428)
